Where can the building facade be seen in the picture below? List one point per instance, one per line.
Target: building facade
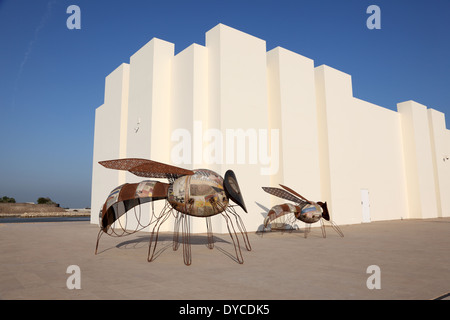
(271, 117)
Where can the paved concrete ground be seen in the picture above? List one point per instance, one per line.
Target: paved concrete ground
(413, 257)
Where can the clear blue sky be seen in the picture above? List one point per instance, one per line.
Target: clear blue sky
(52, 78)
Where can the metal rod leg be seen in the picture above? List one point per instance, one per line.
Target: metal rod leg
(307, 229)
(234, 238)
(176, 230)
(187, 256)
(210, 234)
(337, 229)
(322, 226)
(242, 229)
(152, 244)
(98, 239)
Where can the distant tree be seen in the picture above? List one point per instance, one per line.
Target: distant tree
(6, 199)
(45, 201)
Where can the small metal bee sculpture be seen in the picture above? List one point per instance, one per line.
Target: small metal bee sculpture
(303, 210)
(197, 193)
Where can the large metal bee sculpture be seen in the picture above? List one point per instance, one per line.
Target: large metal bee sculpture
(198, 193)
(303, 210)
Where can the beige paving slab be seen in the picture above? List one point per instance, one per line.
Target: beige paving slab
(412, 256)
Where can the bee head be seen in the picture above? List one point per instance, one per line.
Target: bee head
(325, 213)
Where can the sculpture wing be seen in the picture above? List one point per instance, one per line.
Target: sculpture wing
(280, 193)
(146, 168)
(295, 193)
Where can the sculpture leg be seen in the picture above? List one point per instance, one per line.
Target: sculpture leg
(155, 232)
(187, 256)
(336, 228)
(234, 237)
(176, 231)
(322, 226)
(210, 234)
(98, 239)
(307, 229)
(242, 229)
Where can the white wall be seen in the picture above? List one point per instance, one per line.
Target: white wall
(292, 111)
(444, 174)
(335, 100)
(148, 134)
(189, 112)
(149, 102)
(297, 125)
(238, 101)
(420, 184)
(440, 145)
(109, 137)
(360, 150)
(379, 161)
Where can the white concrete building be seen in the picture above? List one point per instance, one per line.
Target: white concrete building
(271, 117)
